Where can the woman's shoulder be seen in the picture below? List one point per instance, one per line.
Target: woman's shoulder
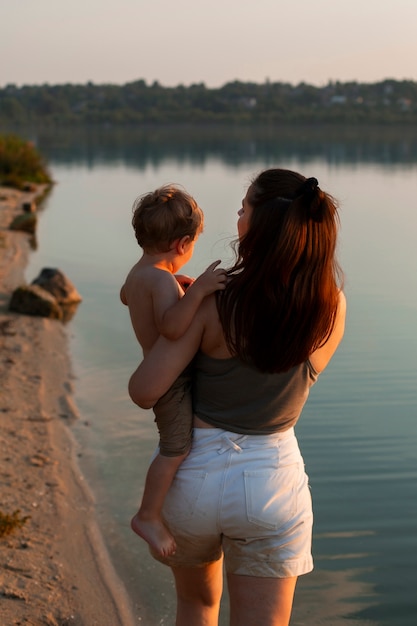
(213, 343)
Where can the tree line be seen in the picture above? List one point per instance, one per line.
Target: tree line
(138, 103)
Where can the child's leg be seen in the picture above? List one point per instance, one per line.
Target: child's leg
(173, 415)
(148, 523)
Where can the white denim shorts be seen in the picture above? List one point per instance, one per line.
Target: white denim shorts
(246, 497)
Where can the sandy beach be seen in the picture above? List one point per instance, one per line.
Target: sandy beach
(54, 570)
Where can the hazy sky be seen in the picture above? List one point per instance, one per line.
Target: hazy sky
(191, 41)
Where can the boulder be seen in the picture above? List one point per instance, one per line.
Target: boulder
(25, 222)
(51, 294)
(57, 284)
(34, 300)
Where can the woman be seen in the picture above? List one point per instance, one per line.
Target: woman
(242, 492)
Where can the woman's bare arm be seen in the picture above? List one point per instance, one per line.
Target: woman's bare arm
(164, 363)
(321, 357)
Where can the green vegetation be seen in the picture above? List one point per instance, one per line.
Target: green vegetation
(21, 163)
(136, 103)
(9, 523)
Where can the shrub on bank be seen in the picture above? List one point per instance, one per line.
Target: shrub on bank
(21, 163)
(9, 523)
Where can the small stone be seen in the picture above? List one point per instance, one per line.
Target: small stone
(33, 300)
(25, 222)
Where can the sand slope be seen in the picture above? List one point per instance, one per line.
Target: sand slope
(55, 569)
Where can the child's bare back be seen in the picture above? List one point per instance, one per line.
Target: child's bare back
(148, 292)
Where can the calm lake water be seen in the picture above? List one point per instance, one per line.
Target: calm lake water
(358, 432)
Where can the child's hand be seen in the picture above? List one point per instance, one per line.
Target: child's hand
(184, 281)
(211, 280)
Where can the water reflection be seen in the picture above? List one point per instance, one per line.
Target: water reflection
(326, 597)
(232, 146)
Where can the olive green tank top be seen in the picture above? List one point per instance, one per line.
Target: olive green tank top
(230, 394)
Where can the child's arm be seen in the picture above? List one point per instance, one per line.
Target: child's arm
(177, 318)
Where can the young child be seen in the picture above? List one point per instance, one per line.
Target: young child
(167, 223)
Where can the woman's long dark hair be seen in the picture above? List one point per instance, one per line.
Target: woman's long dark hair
(282, 296)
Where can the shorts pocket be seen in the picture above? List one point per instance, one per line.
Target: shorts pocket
(183, 496)
(271, 496)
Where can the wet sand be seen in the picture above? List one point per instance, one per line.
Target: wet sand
(54, 570)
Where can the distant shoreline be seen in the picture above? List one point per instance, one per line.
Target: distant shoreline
(387, 102)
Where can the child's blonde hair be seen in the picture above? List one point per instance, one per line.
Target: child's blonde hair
(165, 215)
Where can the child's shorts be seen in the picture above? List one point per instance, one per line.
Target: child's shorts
(174, 418)
(246, 497)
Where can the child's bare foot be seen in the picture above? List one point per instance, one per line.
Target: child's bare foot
(154, 532)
